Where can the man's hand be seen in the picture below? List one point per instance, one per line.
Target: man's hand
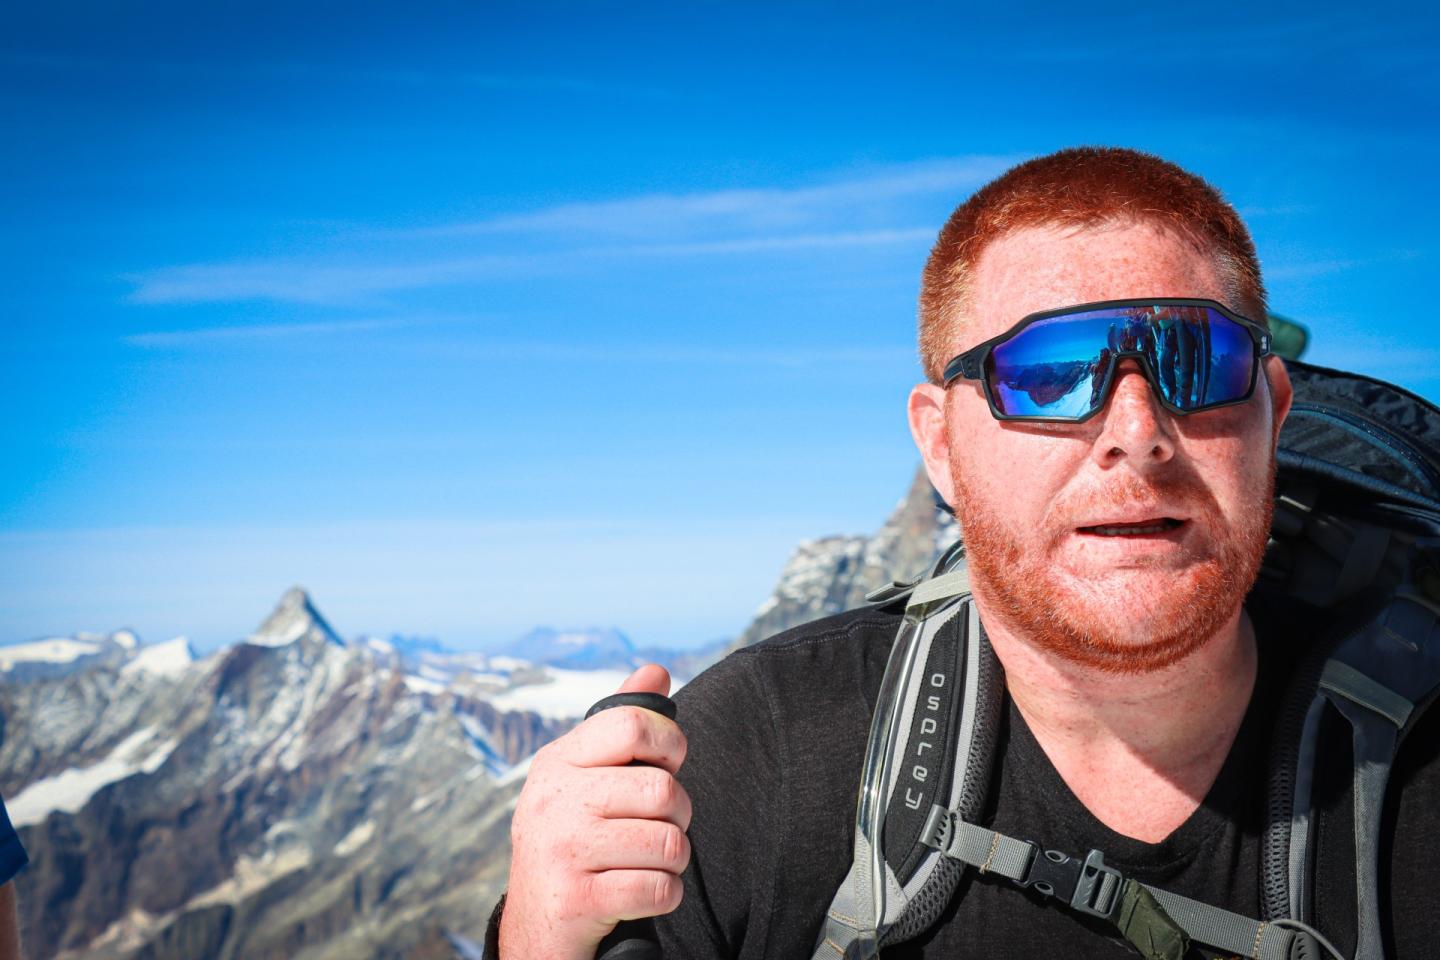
(9, 923)
(597, 841)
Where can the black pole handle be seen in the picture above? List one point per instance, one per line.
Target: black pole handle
(632, 939)
(659, 703)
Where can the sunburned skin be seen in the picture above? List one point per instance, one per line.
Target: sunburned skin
(1109, 558)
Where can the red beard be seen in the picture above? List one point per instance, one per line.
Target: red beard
(1021, 589)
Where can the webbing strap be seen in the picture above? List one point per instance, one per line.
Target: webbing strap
(1230, 931)
(1350, 683)
(844, 927)
(943, 587)
(848, 932)
(984, 849)
(1155, 921)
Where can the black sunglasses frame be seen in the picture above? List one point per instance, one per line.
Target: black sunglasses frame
(973, 364)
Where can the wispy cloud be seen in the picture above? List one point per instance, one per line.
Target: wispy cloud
(455, 336)
(302, 281)
(307, 283)
(689, 354)
(165, 339)
(859, 211)
(757, 209)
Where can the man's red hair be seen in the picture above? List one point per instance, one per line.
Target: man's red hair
(1078, 188)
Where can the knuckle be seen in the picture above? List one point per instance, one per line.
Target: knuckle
(665, 893)
(661, 790)
(686, 809)
(672, 844)
(635, 727)
(676, 849)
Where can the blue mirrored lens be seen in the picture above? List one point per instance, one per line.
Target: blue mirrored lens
(1052, 368)
(1058, 367)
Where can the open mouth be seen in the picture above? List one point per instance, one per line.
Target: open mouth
(1139, 529)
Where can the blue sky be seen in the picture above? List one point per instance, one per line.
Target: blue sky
(474, 317)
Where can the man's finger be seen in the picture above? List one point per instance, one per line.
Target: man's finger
(614, 738)
(632, 894)
(651, 678)
(637, 793)
(632, 845)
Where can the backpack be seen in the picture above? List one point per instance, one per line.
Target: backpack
(1356, 528)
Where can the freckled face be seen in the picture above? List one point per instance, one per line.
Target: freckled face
(1041, 504)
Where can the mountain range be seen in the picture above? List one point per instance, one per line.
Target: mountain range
(297, 795)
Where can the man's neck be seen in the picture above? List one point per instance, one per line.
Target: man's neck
(1140, 750)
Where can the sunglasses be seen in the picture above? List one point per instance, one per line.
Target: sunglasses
(1060, 364)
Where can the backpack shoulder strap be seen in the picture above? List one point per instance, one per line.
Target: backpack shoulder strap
(931, 741)
(1380, 677)
(1357, 523)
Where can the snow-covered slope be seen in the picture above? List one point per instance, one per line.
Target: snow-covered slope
(70, 789)
(169, 659)
(58, 656)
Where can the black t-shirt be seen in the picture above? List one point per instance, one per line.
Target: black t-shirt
(12, 853)
(777, 734)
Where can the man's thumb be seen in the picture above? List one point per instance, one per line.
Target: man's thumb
(651, 678)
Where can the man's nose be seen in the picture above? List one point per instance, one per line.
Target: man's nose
(1134, 426)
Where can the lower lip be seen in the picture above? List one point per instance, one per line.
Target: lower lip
(1139, 533)
(1151, 540)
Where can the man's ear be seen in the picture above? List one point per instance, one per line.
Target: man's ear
(932, 436)
(1282, 393)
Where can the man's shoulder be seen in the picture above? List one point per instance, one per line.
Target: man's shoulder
(847, 642)
(861, 628)
(822, 669)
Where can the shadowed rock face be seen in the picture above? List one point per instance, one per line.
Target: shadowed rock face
(832, 574)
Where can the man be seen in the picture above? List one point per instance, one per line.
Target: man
(13, 859)
(1110, 557)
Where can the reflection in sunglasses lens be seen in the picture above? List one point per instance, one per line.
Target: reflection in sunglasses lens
(1193, 356)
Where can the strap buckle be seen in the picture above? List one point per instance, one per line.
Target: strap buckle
(1088, 885)
(1098, 892)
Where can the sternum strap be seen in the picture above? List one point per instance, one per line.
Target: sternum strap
(1156, 922)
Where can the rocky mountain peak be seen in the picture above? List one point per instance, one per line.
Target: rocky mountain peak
(294, 618)
(832, 574)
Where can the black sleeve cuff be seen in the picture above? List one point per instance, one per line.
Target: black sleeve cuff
(492, 932)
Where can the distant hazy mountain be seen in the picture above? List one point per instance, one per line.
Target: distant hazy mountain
(575, 649)
(58, 656)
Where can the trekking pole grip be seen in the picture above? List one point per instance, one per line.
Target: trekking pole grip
(632, 939)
